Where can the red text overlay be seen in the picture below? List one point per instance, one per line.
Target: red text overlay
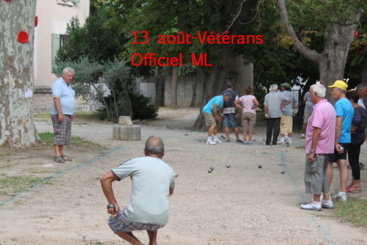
(201, 59)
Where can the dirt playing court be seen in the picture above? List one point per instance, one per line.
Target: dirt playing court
(241, 204)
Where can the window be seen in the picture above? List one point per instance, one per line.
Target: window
(57, 41)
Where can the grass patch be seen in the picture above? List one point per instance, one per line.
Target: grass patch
(354, 211)
(78, 116)
(74, 141)
(11, 185)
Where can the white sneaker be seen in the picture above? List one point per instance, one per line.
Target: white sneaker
(327, 204)
(311, 206)
(338, 197)
(280, 142)
(211, 142)
(217, 141)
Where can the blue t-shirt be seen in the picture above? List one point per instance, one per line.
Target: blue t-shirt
(67, 101)
(218, 100)
(344, 109)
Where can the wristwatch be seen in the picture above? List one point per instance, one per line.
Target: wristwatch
(312, 151)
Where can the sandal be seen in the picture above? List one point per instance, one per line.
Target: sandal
(354, 189)
(59, 159)
(65, 158)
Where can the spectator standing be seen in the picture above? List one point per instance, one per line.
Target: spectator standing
(62, 111)
(359, 123)
(153, 181)
(229, 114)
(273, 104)
(211, 116)
(307, 113)
(249, 104)
(320, 141)
(286, 121)
(344, 115)
(362, 92)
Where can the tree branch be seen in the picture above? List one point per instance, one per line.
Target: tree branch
(309, 54)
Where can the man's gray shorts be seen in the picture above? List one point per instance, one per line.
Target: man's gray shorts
(121, 224)
(315, 174)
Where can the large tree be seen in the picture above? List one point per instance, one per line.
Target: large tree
(17, 23)
(335, 20)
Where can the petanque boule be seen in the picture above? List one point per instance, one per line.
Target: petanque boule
(228, 165)
(211, 168)
(176, 175)
(210, 171)
(110, 205)
(259, 166)
(282, 171)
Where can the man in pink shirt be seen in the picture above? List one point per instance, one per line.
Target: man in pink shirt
(320, 141)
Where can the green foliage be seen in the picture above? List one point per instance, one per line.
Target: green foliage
(143, 107)
(94, 40)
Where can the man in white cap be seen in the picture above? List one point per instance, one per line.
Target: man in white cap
(344, 115)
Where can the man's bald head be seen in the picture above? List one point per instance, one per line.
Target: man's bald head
(154, 145)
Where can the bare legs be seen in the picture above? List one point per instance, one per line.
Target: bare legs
(58, 150)
(342, 165)
(235, 130)
(129, 237)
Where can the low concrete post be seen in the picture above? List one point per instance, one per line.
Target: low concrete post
(126, 130)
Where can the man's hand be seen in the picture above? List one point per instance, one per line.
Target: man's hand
(114, 211)
(311, 157)
(61, 117)
(339, 148)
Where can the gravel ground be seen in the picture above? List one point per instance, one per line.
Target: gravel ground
(241, 204)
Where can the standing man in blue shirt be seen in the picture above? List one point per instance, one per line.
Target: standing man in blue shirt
(344, 115)
(62, 111)
(211, 116)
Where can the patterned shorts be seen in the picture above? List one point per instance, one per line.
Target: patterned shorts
(62, 130)
(121, 224)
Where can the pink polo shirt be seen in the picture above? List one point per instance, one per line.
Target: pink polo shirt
(324, 117)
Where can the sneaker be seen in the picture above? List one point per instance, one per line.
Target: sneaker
(239, 141)
(311, 206)
(289, 142)
(280, 142)
(211, 142)
(228, 140)
(338, 197)
(327, 204)
(250, 142)
(217, 141)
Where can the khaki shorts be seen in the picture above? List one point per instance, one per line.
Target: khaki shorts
(286, 124)
(209, 119)
(248, 121)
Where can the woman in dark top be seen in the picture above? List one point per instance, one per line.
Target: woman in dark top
(359, 123)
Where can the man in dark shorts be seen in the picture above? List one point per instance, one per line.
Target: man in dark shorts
(229, 114)
(344, 115)
(153, 181)
(62, 111)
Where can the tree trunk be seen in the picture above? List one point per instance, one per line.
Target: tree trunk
(174, 88)
(338, 39)
(17, 128)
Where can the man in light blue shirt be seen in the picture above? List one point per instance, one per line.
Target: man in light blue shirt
(62, 111)
(211, 116)
(344, 115)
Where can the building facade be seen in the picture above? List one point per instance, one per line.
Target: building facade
(53, 17)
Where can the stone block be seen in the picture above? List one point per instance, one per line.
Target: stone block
(126, 132)
(125, 120)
